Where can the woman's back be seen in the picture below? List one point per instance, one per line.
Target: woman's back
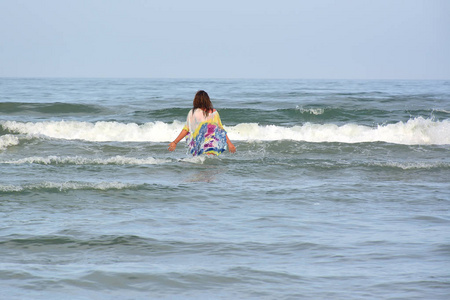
(197, 116)
(204, 129)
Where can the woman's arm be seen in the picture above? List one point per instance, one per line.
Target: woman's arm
(231, 147)
(182, 134)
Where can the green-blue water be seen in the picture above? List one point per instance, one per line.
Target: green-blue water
(338, 190)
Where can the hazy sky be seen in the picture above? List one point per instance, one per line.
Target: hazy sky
(344, 39)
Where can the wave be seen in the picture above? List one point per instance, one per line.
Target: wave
(64, 238)
(344, 164)
(66, 186)
(8, 140)
(316, 113)
(438, 110)
(417, 131)
(312, 111)
(96, 132)
(121, 160)
(411, 165)
(78, 160)
(48, 108)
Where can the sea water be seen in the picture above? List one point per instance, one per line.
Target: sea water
(340, 189)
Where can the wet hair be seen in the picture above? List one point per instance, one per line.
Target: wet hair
(202, 101)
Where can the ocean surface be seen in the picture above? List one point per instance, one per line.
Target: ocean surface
(340, 189)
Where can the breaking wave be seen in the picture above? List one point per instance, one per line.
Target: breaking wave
(8, 140)
(417, 131)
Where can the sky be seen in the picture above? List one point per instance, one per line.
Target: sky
(315, 39)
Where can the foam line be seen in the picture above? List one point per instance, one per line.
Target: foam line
(8, 140)
(79, 160)
(418, 131)
(64, 186)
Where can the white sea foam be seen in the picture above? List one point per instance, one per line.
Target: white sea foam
(79, 160)
(312, 111)
(8, 140)
(64, 186)
(415, 131)
(412, 165)
(195, 159)
(10, 188)
(99, 131)
(441, 110)
(418, 131)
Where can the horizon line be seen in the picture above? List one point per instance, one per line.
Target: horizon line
(220, 78)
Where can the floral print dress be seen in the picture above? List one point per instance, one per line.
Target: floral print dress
(206, 134)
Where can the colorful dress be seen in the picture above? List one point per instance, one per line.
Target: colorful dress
(206, 134)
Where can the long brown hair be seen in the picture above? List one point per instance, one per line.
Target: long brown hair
(202, 101)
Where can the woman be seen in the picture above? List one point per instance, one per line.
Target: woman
(204, 129)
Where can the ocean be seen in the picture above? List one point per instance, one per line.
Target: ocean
(339, 189)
